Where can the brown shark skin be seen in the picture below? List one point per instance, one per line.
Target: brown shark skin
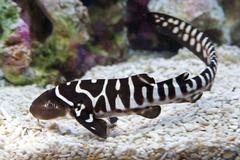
(89, 100)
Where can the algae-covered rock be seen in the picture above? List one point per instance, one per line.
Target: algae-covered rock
(8, 18)
(108, 38)
(15, 48)
(107, 29)
(205, 14)
(35, 46)
(59, 44)
(232, 22)
(34, 15)
(235, 34)
(69, 18)
(65, 38)
(82, 61)
(231, 9)
(55, 27)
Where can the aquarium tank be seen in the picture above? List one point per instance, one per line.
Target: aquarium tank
(119, 79)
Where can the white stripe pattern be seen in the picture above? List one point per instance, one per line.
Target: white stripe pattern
(58, 94)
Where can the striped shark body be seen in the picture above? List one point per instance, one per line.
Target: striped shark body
(90, 100)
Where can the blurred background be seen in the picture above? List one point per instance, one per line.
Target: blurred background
(45, 41)
(52, 41)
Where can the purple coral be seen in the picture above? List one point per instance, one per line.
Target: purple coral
(24, 31)
(83, 61)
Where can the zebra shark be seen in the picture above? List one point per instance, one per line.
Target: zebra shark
(88, 101)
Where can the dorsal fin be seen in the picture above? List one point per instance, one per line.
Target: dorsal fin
(182, 77)
(146, 78)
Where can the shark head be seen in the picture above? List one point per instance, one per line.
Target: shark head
(48, 106)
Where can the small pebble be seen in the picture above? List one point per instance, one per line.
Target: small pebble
(190, 127)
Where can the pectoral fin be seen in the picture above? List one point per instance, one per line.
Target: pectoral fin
(113, 120)
(88, 120)
(150, 112)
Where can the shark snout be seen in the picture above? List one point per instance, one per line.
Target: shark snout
(48, 106)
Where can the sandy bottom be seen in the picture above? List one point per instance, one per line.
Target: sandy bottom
(208, 129)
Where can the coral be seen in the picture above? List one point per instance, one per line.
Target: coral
(56, 39)
(108, 39)
(58, 42)
(69, 29)
(18, 77)
(81, 62)
(9, 17)
(40, 25)
(232, 22)
(15, 44)
(69, 18)
(16, 56)
(55, 26)
(52, 53)
(108, 33)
